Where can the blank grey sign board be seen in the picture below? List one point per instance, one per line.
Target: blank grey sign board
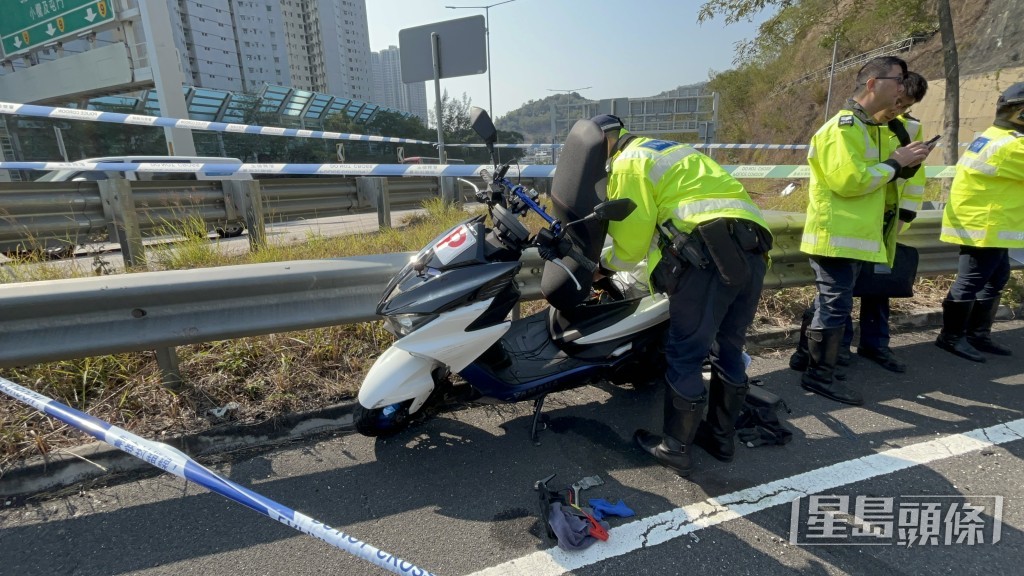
(463, 49)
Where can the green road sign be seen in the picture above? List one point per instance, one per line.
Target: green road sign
(28, 24)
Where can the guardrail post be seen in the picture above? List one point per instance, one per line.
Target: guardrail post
(448, 190)
(122, 220)
(170, 373)
(375, 191)
(247, 198)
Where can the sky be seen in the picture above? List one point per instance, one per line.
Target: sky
(612, 48)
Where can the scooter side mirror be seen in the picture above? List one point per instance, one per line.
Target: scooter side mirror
(482, 125)
(614, 210)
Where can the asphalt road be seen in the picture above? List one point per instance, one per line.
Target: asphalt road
(454, 495)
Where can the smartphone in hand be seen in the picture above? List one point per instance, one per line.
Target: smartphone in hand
(931, 142)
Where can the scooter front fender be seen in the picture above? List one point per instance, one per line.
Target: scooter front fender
(395, 377)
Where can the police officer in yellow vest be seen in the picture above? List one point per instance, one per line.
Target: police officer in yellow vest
(904, 197)
(847, 226)
(985, 216)
(705, 243)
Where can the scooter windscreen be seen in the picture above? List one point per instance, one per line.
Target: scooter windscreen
(579, 185)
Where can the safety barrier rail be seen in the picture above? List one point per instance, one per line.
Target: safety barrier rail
(58, 216)
(55, 320)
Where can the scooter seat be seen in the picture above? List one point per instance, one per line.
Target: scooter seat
(568, 325)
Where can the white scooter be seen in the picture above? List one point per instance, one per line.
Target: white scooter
(449, 305)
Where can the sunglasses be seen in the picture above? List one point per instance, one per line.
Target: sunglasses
(900, 78)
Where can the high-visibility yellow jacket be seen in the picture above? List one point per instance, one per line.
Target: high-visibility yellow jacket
(986, 201)
(668, 180)
(850, 174)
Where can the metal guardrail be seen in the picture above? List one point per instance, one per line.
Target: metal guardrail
(55, 320)
(57, 216)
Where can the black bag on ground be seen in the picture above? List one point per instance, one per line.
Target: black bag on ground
(897, 282)
(758, 423)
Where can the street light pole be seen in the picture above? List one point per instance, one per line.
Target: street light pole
(487, 35)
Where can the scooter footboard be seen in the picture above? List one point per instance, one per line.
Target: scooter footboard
(395, 377)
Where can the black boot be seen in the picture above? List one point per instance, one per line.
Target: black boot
(682, 415)
(952, 338)
(979, 327)
(823, 348)
(798, 360)
(716, 433)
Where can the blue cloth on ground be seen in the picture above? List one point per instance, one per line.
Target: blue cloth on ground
(604, 508)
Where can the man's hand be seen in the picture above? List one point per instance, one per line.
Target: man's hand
(911, 155)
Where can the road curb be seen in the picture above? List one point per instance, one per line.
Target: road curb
(98, 459)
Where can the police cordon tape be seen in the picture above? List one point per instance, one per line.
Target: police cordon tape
(163, 121)
(38, 111)
(174, 461)
(753, 171)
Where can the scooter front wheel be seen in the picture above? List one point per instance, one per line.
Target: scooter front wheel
(385, 421)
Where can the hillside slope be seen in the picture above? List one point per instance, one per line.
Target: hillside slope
(990, 43)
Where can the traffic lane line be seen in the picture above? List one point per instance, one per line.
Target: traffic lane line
(682, 521)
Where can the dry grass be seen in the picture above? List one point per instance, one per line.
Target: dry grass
(266, 376)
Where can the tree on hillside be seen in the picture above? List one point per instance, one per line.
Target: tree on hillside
(736, 10)
(951, 66)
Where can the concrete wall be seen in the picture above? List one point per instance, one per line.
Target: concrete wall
(978, 94)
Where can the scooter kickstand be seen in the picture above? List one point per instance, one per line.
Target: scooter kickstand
(538, 404)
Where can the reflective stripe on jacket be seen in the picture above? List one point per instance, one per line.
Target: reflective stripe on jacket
(668, 180)
(847, 190)
(986, 200)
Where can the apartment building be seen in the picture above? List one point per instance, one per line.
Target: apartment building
(388, 88)
(241, 45)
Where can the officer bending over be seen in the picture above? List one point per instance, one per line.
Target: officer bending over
(705, 243)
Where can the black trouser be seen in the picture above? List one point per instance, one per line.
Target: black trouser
(834, 278)
(981, 273)
(708, 317)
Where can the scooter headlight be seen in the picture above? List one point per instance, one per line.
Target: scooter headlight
(403, 324)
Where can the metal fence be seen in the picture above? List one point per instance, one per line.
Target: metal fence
(58, 216)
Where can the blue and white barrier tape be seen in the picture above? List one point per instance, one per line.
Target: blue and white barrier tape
(783, 171)
(163, 121)
(174, 461)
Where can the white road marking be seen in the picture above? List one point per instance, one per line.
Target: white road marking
(713, 511)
